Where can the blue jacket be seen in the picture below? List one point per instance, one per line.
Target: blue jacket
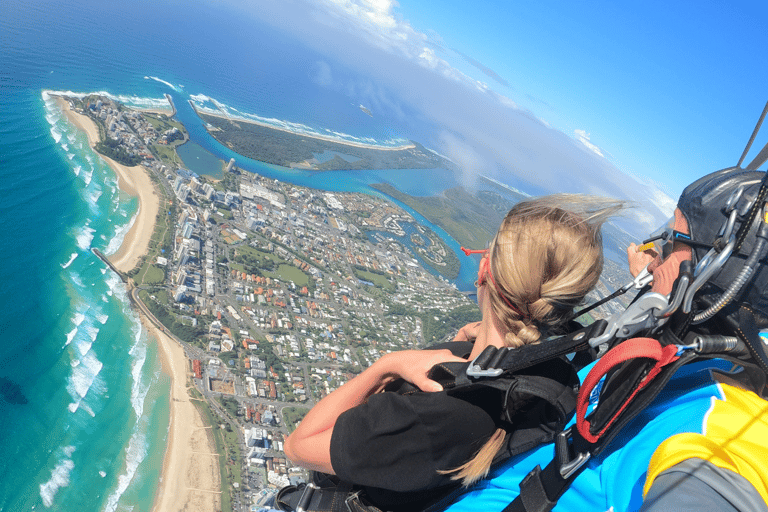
(698, 413)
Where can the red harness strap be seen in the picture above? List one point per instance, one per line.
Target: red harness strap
(646, 348)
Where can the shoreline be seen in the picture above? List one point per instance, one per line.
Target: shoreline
(135, 181)
(325, 138)
(190, 478)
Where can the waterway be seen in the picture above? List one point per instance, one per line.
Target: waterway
(415, 182)
(199, 160)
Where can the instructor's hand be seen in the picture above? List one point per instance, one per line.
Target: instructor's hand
(414, 365)
(639, 260)
(469, 332)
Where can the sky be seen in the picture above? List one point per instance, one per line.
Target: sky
(633, 100)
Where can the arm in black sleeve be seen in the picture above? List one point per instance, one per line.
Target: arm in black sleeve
(399, 442)
(696, 485)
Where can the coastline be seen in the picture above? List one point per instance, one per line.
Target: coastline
(132, 180)
(302, 134)
(190, 477)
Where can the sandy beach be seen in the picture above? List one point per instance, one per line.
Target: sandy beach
(190, 478)
(136, 182)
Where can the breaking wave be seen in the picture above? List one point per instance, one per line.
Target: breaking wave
(59, 478)
(177, 89)
(72, 258)
(134, 455)
(85, 237)
(128, 100)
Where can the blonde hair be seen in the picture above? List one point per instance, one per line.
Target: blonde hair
(546, 256)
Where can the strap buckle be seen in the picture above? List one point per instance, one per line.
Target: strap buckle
(306, 496)
(355, 496)
(476, 371)
(568, 465)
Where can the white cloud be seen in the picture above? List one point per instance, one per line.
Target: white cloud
(583, 137)
(470, 163)
(429, 58)
(322, 75)
(384, 63)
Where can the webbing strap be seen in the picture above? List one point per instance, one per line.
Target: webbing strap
(544, 487)
(647, 348)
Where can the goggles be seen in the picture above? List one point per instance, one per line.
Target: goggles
(663, 240)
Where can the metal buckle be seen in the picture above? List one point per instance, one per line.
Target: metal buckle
(569, 467)
(477, 372)
(637, 317)
(352, 497)
(306, 496)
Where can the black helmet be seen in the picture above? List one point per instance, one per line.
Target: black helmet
(728, 205)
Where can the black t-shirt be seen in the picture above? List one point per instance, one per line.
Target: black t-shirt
(394, 444)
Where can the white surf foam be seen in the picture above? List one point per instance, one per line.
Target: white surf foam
(139, 390)
(77, 169)
(102, 474)
(56, 134)
(70, 156)
(82, 378)
(219, 108)
(72, 258)
(52, 117)
(85, 237)
(78, 318)
(76, 279)
(162, 82)
(70, 336)
(59, 479)
(135, 101)
(134, 455)
(87, 177)
(95, 197)
(65, 146)
(120, 233)
(93, 332)
(102, 318)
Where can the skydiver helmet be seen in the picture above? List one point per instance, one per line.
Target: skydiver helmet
(728, 224)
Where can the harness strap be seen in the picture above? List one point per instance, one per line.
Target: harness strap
(646, 348)
(541, 489)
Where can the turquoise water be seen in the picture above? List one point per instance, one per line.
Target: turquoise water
(91, 434)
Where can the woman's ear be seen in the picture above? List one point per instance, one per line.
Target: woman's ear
(483, 269)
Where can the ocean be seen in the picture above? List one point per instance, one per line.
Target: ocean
(84, 404)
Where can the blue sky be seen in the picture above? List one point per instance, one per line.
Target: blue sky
(660, 86)
(624, 100)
